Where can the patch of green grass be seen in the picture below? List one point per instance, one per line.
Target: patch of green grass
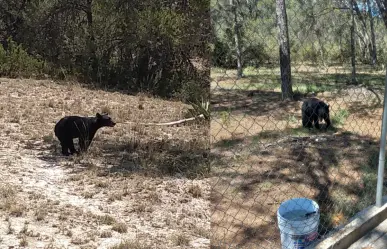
(269, 84)
(343, 205)
(365, 189)
(307, 87)
(225, 118)
(248, 71)
(217, 70)
(265, 186)
(339, 117)
(291, 119)
(301, 131)
(269, 134)
(255, 139)
(227, 143)
(368, 187)
(306, 82)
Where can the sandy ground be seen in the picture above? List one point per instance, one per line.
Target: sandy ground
(103, 199)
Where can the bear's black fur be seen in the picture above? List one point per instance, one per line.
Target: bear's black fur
(313, 111)
(83, 128)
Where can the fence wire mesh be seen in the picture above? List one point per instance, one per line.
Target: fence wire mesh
(263, 154)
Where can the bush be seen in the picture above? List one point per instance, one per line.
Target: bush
(16, 62)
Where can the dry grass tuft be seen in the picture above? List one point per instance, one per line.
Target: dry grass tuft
(88, 194)
(23, 241)
(101, 184)
(16, 209)
(10, 230)
(140, 207)
(9, 201)
(24, 230)
(80, 240)
(131, 245)
(120, 227)
(106, 219)
(202, 232)
(40, 214)
(195, 191)
(117, 196)
(105, 234)
(180, 240)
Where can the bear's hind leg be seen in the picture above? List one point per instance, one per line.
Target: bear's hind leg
(71, 147)
(306, 121)
(65, 149)
(316, 123)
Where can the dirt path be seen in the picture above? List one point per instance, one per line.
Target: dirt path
(45, 185)
(39, 176)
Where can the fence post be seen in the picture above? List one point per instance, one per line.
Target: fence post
(382, 151)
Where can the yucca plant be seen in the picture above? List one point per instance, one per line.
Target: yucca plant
(202, 107)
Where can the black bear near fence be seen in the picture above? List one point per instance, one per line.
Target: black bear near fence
(313, 111)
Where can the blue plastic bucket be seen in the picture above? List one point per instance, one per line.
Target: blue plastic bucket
(298, 221)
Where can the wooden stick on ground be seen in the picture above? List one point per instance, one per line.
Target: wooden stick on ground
(167, 124)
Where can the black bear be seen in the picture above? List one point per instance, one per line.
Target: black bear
(313, 111)
(83, 128)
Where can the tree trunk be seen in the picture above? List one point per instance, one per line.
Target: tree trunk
(321, 47)
(373, 42)
(353, 54)
(237, 40)
(91, 39)
(284, 50)
(383, 11)
(363, 41)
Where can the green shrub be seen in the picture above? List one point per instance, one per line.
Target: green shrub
(340, 116)
(16, 62)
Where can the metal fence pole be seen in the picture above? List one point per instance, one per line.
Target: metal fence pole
(382, 152)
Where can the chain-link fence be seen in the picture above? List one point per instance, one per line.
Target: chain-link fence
(263, 154)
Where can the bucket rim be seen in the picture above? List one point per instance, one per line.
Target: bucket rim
(314, 204)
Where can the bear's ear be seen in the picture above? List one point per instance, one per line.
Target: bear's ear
(98, 115)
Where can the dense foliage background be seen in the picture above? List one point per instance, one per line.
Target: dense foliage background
(159, 47)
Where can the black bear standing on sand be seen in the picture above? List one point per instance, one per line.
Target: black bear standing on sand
(313, 111)
(83, 128)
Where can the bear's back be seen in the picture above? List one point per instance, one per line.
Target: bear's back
(74, 126)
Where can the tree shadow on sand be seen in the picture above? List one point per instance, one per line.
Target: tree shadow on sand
(168, 157)
(332, 169)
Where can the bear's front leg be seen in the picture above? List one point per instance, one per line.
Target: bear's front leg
(82, 144)
(65, 150)
(328, 122)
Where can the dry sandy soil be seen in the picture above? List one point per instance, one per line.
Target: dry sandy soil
(265, 158)
(137, 186)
